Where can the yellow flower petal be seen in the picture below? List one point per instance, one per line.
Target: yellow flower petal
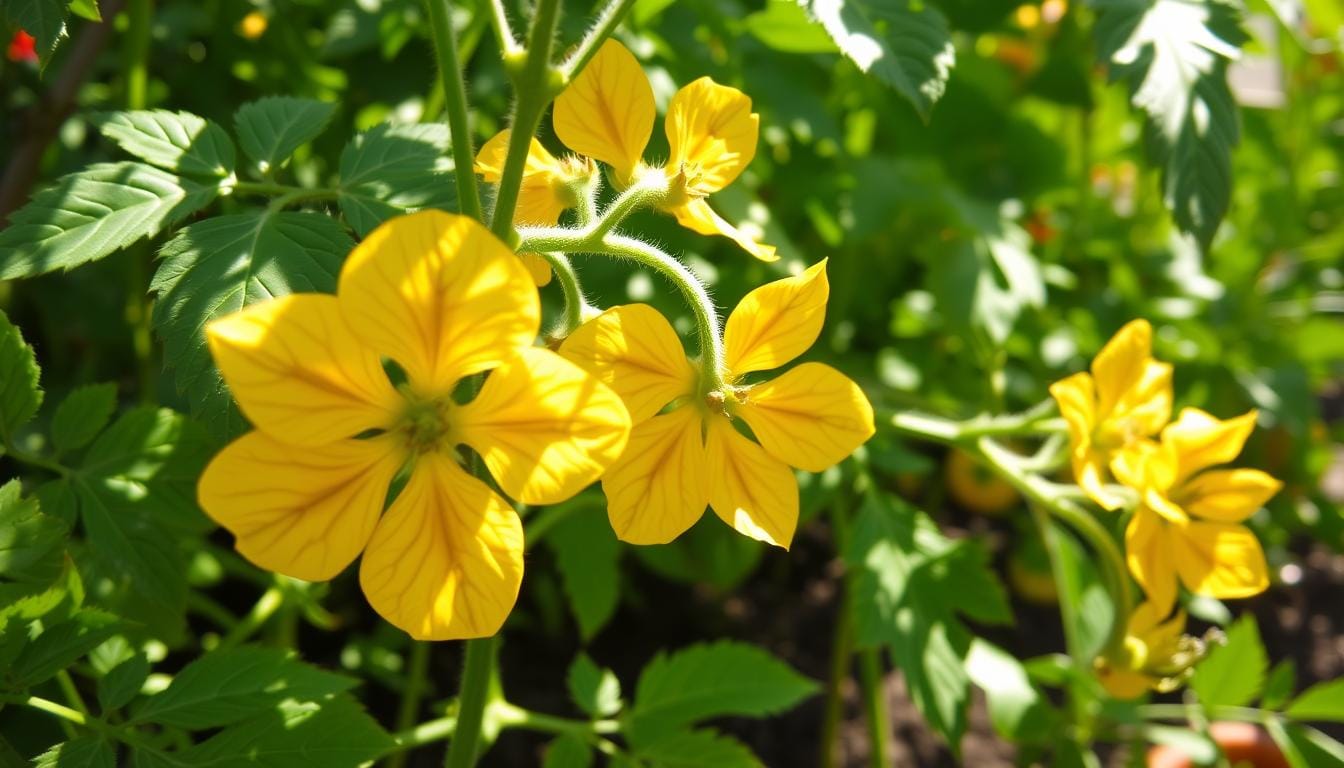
(537, 267)
(1220, 560)
(811, 417)
(634, 350)
(748, 488)
(1148, 551)
(1201, 440)
(304, 512)
(441, 296)
(490, 158)
(545, 427)
(299, 374)
(1228, 495)
(660, 485)
(607, 112)
(540, 201)
(1121, 363)
(446, 561)
(1077, 400)
(1123, 683)
(777, 322)
(712, 134)
(697, 216)
(1146, 405)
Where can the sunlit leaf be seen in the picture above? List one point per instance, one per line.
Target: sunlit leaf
(20, 395)
(395, 169)
(595, 690)
(1233, 674)
(175, 141)
(82, 752)
(270, 129)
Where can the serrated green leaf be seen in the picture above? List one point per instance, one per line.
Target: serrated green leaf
(596, 691)
(588, 556)
(902, 43)
(785, 26)
(394, 169)
(82, 415)
(176, 141)
(226, 687)
(1233, 674)
(1174, 55)
(1323, 701)
(331, 734)
(703, 681)
(60, 645)
(1016, 708)
(1279, 685)
(94, 212)
(122, 682)
(83, 752)
(270, 129)
(221, 265)
(30, 542)
(43, 19)
(568, 751)
(694, 749)
(20, 395)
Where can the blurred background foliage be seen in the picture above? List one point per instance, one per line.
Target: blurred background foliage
(986, 236)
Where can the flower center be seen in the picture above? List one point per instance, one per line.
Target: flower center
(426, 425)
(1115, 433)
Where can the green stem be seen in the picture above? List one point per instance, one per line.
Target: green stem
(33, 460)
(140, 15)
(427, 732)
(575, 303)
(71, 693)
(265, 607)
(455, 92)
(842, 649)
(535, 83)
(139, 315)
(510, 716)
(874, 706)
(271, 189)
(75, 717)
(416, 676)
(477, 671)
(204, 605)
(499, 21)
(1182, 712)
(607, 21)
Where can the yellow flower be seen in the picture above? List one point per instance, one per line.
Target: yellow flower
(1156, 654)
(1126, 398)
(607, 114)
(686, 450)
(304, 493)
(1188, 523)
(253, 25)
(547, 189)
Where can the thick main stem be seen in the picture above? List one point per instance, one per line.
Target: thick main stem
(455, 93)
(476, 673)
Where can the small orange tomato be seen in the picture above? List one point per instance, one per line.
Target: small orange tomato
(976, 488)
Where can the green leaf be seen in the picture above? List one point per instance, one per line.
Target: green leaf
(135, 492)
(270, 129)
(30, 542)
(394, 169)
(709, 553)
(702, 681)
(82, 415)
(20, 395)
(1305, 747)
(92, 213)
(221, 265)
(86, 9)
(785, 26)
(60, 645)
(175, 141)
(43, 19)
(568, 751)
(1323, 701)
(903, 43)
(1279, 685)
(596, 691)
(1085, 605)
(1233, 674)
(1199, 748)
(331, 734)
(1174, 55)
(905, 569)
(83, 752)
(1016, 708)
(694, 749)
(122, 682)
(229, 686)
(588, 556)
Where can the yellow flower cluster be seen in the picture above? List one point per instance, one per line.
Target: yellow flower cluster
(1186, 527)
(607, 114)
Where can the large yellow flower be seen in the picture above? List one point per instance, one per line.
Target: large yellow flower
(607, 114)
(442, 299)
(686, 450)
(1187, 526)
(1109, 412)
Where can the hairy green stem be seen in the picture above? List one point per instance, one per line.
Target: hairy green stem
(427, 732)
(477, 670)
(510, 716)
(607, 20)
(455, 93)
(499, 21)
(575, 303)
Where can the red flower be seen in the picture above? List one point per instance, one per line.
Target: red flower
(22, 47)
